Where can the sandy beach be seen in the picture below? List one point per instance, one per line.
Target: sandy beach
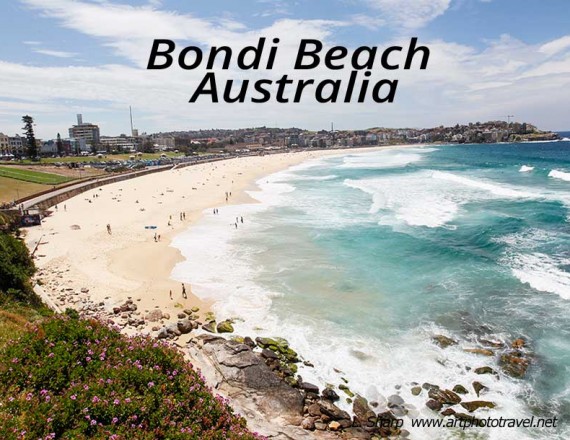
(77, 253)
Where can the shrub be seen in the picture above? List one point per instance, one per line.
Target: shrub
(73, 379)
(16, 267)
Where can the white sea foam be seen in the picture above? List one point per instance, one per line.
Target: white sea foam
(409, 199)
(317, 178)
(543, 273)
(382, 160)
(497, 189)
(528, 262)
(431, 198)
(556, 174)
(525, 169)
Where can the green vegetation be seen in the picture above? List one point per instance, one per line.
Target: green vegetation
(73, 379)
(30, 136)
(33, 176)
(88, 159)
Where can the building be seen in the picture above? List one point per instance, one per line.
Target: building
(18, 145)
(4, 145)
(89, 133)
(119, 143)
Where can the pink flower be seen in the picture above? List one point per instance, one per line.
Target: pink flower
(95, 399)
(73, 397)
(116, 401)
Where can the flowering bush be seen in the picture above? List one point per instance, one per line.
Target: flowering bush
(73, 379)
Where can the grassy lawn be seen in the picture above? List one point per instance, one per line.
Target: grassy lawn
(33, 176)
(87, 159)
(11, 189)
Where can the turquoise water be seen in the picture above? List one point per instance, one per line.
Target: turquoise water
(360, 259)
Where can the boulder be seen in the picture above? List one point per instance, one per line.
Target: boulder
(346, 390)
(363, 413)
(330, 394)
(485, 370)
(334, 425)
(416, 391)
(518, 343)
(333, 411)
(320, 426)
(448, 412)
(308, 423)
(395, 400)
(514, 363)
(460, 389)
(181, 315)
(268, 354)
(249, 342)
(478, 387)
(210, 327)
(444, 341)
(225, 327)
(162, 333)
(434, 405)
(446, 397)
(309, 387)
(429, 386)
(476, 404)
(314, 410)
(185, 326)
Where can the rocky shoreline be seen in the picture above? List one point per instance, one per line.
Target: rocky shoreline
(260, 376)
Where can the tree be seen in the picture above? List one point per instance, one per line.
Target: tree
(59, 145)
(31, 138)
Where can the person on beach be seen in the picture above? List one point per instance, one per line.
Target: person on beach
(184, 291)
(155, 238)
(56, 207)
(236, 224)
(158, 237)
(241, 219)
(170, 293)
(108, 229)
(65, 208)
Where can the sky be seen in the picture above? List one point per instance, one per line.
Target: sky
(488, 59)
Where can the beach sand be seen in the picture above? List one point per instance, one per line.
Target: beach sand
(77, 252)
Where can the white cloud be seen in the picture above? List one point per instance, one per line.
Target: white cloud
(556, 46)
(55, 53)
(409, 14)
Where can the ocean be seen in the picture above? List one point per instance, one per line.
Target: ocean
(358, 260)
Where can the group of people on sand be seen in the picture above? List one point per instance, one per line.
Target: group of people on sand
(184, 294)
